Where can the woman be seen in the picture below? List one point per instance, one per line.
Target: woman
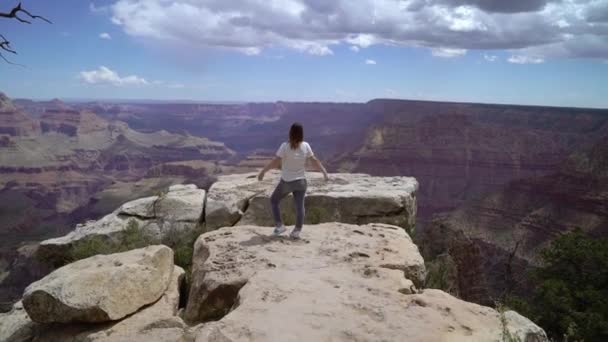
(292, 157)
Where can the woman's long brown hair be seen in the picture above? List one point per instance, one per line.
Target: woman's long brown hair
(296, 135)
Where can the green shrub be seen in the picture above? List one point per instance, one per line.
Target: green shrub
(315, 215)
(182, 242)
(132, 237)
(570, 300)
(94, 245)
(442, 274)
(288, 217)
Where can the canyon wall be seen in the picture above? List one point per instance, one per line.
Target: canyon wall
(496, 240)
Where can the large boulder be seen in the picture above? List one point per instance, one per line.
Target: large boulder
(180, 203)
(349, 198)
(101, 288)
(162, 314)
(227, 259)
(340, 282)
(177, 212)
(155, 322)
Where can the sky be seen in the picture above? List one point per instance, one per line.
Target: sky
(531, 52)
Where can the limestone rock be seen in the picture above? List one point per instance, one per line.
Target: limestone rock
(159, 315)
(178, 211)
(180, 203)
(156, 322)
(349, 198)
(142, 207)
(341, 282)
(303, 308)
(227, 259)
(16, 325)
(101, 288)
(522, 328)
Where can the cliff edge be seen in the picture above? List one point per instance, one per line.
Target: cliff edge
(342, 281)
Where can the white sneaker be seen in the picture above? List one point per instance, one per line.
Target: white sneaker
(295, 234)
(279, 230)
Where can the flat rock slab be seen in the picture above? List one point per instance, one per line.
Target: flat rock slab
(349, 198)
(227, 259)
(341, 282)
(302, 306)
(101, 288)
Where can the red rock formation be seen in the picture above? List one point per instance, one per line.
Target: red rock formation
(495, 240)
(51, 168)
(14, 122)
(460, 151)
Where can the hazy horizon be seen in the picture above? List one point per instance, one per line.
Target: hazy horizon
(228, 102)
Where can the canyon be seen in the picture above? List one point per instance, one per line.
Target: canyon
(65, 163)
(495, 241)
(339, 282)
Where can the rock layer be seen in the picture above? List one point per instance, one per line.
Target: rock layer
(348, 198)
(458, 151)
(101, 288)
(496, 240)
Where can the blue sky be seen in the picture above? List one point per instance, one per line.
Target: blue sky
(535, 52)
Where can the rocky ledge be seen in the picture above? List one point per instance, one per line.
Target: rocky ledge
(178, 211)
(341, 282)
(348, 281)
(351, 198)
(241, 199)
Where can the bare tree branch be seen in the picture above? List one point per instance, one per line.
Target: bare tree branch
(5, 44)
(9, 62)
(17, 9)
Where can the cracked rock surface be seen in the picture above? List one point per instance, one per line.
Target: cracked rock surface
(340, 282)
(101, 288)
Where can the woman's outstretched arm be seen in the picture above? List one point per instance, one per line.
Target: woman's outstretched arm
(273, 164)
(317, 164)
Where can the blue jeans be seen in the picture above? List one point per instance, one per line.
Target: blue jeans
(298, 188)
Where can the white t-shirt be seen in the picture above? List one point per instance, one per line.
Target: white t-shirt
(293, 162)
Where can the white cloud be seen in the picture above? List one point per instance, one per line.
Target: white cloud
(105, 35)
(354, 48)
(490, 58)
(251, 51)
(370, 62)
(448, 52)
(98, 9)
(362, 40)
(313, 48)
(523, 59)
(106, 76)
(553, 28)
